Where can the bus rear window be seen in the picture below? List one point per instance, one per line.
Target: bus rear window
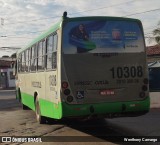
(102, 36)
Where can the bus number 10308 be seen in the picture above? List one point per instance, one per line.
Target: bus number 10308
(127, 72)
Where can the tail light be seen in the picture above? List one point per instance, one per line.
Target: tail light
(144, 88)
(64, 85)
(69, 98)
(66, 91)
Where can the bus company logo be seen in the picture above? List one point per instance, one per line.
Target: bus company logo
(6, 139)
(36, 84)
(116, 34)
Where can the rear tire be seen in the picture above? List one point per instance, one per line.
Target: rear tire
(24, 107)
(18, 95)
(40, 119)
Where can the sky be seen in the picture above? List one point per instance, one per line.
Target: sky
(23, 20)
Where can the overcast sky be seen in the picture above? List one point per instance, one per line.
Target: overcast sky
(23, 20)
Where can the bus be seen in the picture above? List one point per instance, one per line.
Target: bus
(85, 67)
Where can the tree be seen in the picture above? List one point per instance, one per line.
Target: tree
(156, 33)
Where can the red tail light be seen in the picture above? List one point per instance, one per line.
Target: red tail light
(64, 85)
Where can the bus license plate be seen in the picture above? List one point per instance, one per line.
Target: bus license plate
(107, 92)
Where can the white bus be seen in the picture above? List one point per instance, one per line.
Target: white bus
(85, 67)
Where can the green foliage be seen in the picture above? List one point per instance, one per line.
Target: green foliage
(156, 33)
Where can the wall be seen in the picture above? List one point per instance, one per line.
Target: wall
(155, 99)
(11, 78)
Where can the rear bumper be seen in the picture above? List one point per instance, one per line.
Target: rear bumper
(110, 110)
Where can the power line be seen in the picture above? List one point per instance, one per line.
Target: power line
(20, 37)
(32, 20)
(152, 27)
(149, 37)
(125, 15)
(71, 13)
(103, 7)
(28, 32)
(79, 12)
(86, 11)
(146, 33)
(142, 12)
(89, 10)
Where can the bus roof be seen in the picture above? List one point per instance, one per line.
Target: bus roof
(101, 18)
(67, 19)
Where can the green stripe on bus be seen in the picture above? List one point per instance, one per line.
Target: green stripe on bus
(28, 100)
(60, 110)
(47, 108)
(104, 108)
(50, 109)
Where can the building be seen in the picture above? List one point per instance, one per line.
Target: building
(153, 58)
(153, 53)
(7, 79)
(154, 76)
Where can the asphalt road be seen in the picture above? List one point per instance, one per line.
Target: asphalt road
(17, 122)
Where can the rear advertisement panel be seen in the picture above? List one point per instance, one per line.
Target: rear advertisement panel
(102, 36)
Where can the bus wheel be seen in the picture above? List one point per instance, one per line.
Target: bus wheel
(24, 107)
(18, 95)
(39, 118)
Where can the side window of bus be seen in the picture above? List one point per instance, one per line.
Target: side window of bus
(29, 58)
(55, 42)
(41, 54)
(33, 58)
(52, 52)
(26, 61)
(20, 63)
(44, 54)
(23, 61)
(49, 51)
